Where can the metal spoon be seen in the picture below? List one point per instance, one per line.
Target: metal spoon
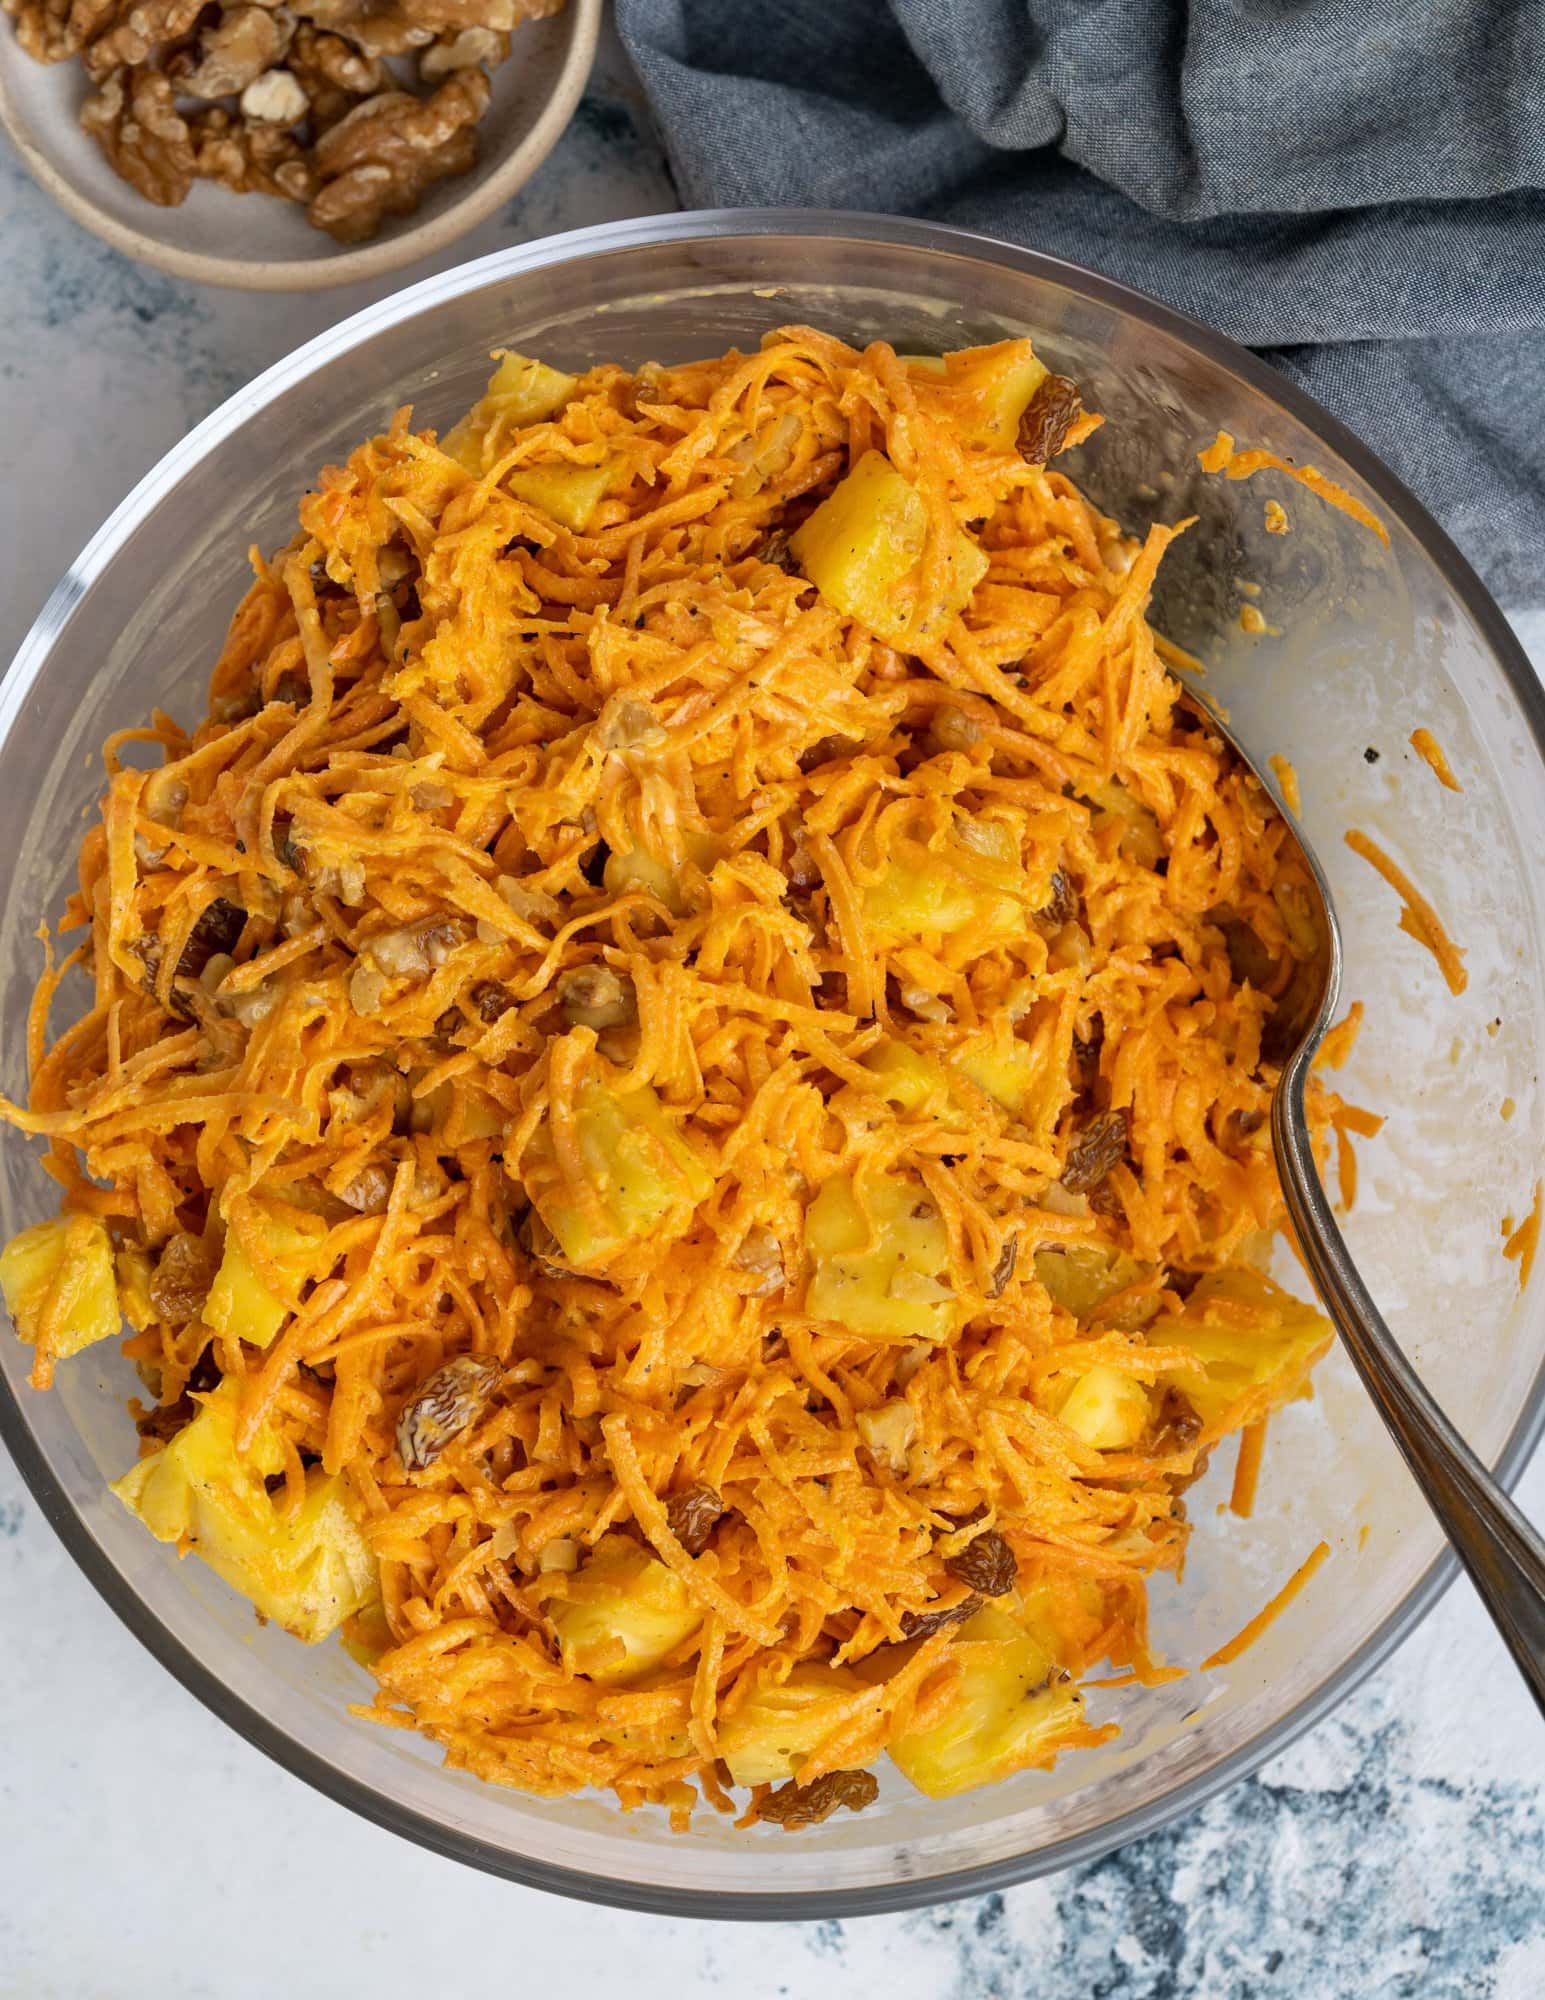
(1503, 1553)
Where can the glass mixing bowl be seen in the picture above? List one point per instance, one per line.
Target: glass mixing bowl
(1367, 642)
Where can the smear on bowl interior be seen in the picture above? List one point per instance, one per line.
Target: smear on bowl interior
(673, 1084)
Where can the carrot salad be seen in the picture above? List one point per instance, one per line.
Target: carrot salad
(673, 1083)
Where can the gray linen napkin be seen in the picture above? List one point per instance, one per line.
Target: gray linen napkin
(1355, 188)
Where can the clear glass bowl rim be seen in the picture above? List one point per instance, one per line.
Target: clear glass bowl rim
(30, 660)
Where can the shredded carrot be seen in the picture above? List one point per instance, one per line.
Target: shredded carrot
(1277, 522)
(1248, 1634)
(1430, 750)
(1524, 1241)
(788, 1059)
(1247, 1468)
(1223, 456)
(1418, 919)
(1287, 777)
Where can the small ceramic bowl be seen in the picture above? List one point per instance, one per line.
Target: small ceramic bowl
(266, 245)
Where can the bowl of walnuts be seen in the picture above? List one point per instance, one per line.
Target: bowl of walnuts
(372, 132)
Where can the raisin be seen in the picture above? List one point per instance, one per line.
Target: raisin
(1095, 1150)
(180, 1283)
(164, 1422)
(219, 925)
(1003, 1270)
(794, 1805)
(491, 1000)
(986, 1563)
(453, 1398)
(775, 552)
(1052, 411)
(918, 1624)
(692, 1515)
(1061, 905)
(147, 949)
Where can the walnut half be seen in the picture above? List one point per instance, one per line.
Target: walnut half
(382, 157)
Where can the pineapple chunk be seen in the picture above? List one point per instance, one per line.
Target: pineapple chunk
(1082, 1277)
(638, 1167)
(862, 546)
(1140, 839)
(930, 891)
(624, 1612)
(520, 391)
(1011, 1711)
(639, 869)
(1255, 1344)
(1000, 1066)
(569, 493)
(904, 1077)
(999, 379)
(769, 1737)
(1107, 1408)
(240, 1305)
(307, 1571)
(133, 1268)
(59, 1286)
(884, 1282)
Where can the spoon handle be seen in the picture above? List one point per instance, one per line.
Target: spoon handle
(1503, 1553)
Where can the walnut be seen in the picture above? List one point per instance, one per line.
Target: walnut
(1095, 1150)
(134, 120)
(235, 51)
(1053, 410)
(383, 156)
(334, 74)
(219, 925)
(180, 1283)
(1003, 1270)
(451, 1400)
(593, 996)
(491, 1000)
(414, 950)
(137, 31)
(52, 31)
(692, 1515)
(461, 48)
(986, 1564)
(369, 1190)
(952, 729)
(251, 159)
(761, 1254)
(794, 1805)
(274, 98)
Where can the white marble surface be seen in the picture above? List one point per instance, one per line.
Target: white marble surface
(147, 1851)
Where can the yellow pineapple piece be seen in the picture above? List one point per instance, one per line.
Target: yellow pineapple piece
(1012, 1711)
(569, 493)
(908, 1079)
(1000, 1065)
(240, 1304)
(639, 869)
(888, 1282)
(59, 1287)
(769, 1736)
(1254, 1342)
(862, 546)
(638, 1170)
(1081, 1277)
(936, 891)
(622, 1614)
(1107, 1408)
(520, 391)
(133, 1268)
(307, 1571)
(999, 381)
(1141, 839)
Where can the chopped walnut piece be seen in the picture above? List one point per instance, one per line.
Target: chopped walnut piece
(985, 1564)
(461, 48)
(1095, 1150)
(692, 1515)
(382, 157)
(762, 1255)
(593, 996)
(952, 729)
(794, 1805)
(234, 51)
(250, 159)
(52, 31)
(180, 1283)
(369, 1190)
(133, 33)
(134, 119)
(1053, 410)
(444, 1406)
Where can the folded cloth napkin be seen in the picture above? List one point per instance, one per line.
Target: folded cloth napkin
(1355, 189)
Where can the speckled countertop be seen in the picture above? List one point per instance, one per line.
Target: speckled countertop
(146, 1851)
